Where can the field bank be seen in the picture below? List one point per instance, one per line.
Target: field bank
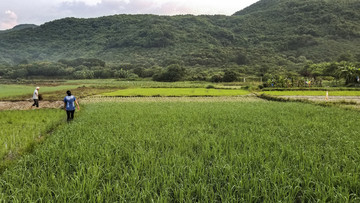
(192, 151)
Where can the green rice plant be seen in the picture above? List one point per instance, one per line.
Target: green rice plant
(313, 93)
(10, 91)
(346, 104)
(312, 89)
(142, 84)
(20, 129)
(235, 151)
(179, 92)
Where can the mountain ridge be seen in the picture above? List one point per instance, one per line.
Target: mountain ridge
(268, 33)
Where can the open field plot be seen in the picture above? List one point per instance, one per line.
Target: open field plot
(20, 129)
(8, 91)
(58, 95)
(313, 93)
(142, 83)
(254, 151)
(155, 84)
(176, 92)
(97, 99)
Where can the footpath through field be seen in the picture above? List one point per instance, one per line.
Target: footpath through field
(25, 105)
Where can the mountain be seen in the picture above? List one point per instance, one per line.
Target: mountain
(269, 33)
(317, 29)
(24, 26)
(20, 27)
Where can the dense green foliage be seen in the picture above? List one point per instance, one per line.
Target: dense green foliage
(191, 152)
(334, 73)
(267, 37)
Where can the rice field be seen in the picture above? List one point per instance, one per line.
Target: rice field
(175, 92)
(174, 151)
(21, 129)
(312, 93)
(7, 91)
(141, 84)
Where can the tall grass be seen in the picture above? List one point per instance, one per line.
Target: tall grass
(194, 152)
(19, 129)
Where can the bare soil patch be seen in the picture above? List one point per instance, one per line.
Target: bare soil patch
(26, 105)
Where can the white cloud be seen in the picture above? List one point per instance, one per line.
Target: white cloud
(86, 2)
(8, 20)
(93, 8)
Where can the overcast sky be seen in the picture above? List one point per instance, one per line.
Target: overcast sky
(13, 12)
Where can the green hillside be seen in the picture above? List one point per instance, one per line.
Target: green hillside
(320, 30)
(268, 34)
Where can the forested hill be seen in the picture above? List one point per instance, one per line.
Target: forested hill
(321, 30)
(269, 33)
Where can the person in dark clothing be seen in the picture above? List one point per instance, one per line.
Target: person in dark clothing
(69, 105)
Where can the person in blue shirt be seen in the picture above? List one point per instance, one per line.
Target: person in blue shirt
(69, 105)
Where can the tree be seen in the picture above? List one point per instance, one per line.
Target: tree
(173, 73)
(241, 58)
(216, 78)
(19, 73)
(122, 73)
(345, 57)
(229, 76)
(349, 72)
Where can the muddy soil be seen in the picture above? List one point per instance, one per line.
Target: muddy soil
(26, 105)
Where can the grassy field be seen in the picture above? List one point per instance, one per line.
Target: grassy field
(8, 91)
(142, 84)
(313, 93)
(54, 90)
(154, 84)
(20, 129)
(243, 151)
(176, 92)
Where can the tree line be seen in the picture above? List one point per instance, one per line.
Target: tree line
(311, 74)
(314, 75)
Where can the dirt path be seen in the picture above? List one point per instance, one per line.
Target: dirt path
(25, 105)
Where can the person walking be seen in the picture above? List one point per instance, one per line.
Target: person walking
(69, 105)
(36, 97)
